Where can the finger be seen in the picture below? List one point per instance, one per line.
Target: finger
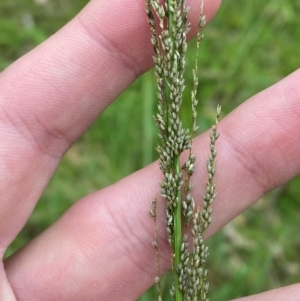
(102, 247)
(291, 292)
(50, 96)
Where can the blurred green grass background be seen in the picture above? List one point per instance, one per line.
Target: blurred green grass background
(248, 46)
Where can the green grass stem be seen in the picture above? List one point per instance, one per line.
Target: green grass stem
(177, 238)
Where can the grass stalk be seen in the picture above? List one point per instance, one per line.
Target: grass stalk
(177, 238)
(172, 8)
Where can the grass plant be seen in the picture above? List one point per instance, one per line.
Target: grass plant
(170, 46)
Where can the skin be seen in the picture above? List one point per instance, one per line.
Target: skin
(99, 249)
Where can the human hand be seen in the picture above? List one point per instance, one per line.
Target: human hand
(100, 249)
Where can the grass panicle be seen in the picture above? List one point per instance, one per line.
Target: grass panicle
(169, 42)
